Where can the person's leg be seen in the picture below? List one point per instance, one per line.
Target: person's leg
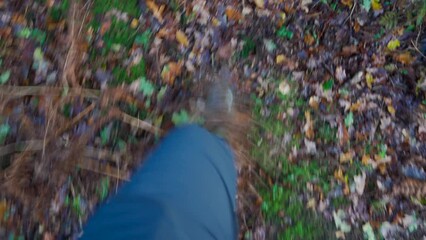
(185, 190)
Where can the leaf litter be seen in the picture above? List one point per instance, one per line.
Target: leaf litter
(341, 82)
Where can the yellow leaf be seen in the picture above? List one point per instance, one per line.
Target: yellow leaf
(338, 174)
(260, 3)
(393, 44)
(376, 5)
(134, 23)
(347, 3)
(280, 58)
(181, 38)
(369, 79)
(156, 10)
(391, 110)
(365, 160)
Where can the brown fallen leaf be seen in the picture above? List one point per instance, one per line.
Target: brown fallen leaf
(233, 14)
(349, 50)
(182, 38)
(405, 58)
(309, 39)
(171, 71)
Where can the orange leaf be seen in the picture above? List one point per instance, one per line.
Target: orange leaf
(181, 38)
(233, 14)
(405, 58)
(309, 39)
(171, 71)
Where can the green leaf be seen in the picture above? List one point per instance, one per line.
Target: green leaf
(4, 131)
(368, 232)
(366, 4)
(328, 85)
(285, 33)
(144, 38)
(382, 151)
(24, 33)
(105, 135)
(38, 36)
(4, 77)
(180, 118)
(349, 119)
(146, 87)
(38, 55)
(248, 47)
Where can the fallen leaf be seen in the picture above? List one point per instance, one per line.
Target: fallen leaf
(376, 5)
(134, 23)
(369, 79)
(311, 204)
(4, 77)
(284, 88)
(181, 38)
(349, 119)
(339, 221)
(346, 157)
(393, 44)
(171, 71)
(233, 14)
(359, 181)
(340, 74)
(348, 3)
(309, 39)
(349, 50)
(269, 45)
(391, 110)
(259, 3)
(314, 102)
(309, 126)
(280, 58)
(405, 58)
(156, 10)
(368, 232)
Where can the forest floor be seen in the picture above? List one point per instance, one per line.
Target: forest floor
(335, 90)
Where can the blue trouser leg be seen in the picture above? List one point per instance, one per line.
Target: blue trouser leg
(184, 190)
